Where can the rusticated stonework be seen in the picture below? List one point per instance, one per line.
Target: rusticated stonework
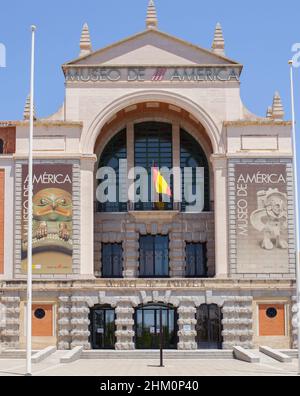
(183, 228)
(76, 299)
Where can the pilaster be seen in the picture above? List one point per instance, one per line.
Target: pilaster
(64, 323)
(295, 318)
(10, 334)
(221, 215)
(131, 252)
(87, 215)
(80, 322)
(187, 325)
(125, 326)
(238, 322)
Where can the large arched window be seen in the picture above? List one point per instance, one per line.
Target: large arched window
(152, 147)
(111, 156)
(193, 156)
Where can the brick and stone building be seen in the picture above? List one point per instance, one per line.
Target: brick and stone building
(224, 276)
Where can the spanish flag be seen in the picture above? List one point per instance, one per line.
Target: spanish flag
(160, 183)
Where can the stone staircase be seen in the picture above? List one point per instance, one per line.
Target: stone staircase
(293, 353)
(150, 355)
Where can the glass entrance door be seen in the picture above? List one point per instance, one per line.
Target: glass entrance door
(103, 328)
(147, 323)
(209, 327)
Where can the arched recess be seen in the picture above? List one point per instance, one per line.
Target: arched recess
(90, 135)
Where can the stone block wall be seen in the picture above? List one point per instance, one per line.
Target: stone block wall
(295, 318)
(73, 321)
(125, 325)
(11, 330)
(237, 322)
(80, 322)
(182, 228)
(187, 325)
(64, 322)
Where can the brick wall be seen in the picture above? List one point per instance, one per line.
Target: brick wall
(8, 135)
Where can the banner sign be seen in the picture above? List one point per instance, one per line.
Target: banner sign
(261, 218)
(152, 74)
(52, 219)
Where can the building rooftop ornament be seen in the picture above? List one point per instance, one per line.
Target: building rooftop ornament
(218, 45)
(26, 114)
(85, 41)
(269, 112)
(151, 20)
(277, 108)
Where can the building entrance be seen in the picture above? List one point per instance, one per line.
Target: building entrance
(147, 327)
(209, 327)
(102, 328)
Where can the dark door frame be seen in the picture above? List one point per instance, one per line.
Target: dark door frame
(92, 329)
(211, 343)
(156, 308)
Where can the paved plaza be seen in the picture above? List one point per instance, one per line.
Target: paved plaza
(136, 368)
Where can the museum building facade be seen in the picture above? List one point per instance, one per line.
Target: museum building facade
(223, 274)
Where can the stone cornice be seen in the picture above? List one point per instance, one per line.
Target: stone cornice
(7, 124)
(51, 156)
(259, 154)
(49, 123)
(175, 66)
(258, 122)
(160, 216)
(152, 284)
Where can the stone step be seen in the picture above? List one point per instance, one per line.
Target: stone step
(146, 354)
(293, 353)
(14, 354)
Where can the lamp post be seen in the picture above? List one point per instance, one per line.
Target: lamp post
(296, 203)
(30, 214)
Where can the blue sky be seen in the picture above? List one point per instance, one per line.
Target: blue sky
(259, 34)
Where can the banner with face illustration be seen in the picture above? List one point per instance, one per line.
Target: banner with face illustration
(52, 219)
(261, 218)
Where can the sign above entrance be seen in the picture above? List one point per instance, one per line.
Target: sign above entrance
(153, 74)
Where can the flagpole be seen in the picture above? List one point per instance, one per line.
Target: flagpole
(30, 214)
(296, 203)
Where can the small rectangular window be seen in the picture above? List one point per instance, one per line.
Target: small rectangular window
(112, 260)
(154, 256)
(196, 260)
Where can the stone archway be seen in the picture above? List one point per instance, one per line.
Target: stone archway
(90, 134)
(195, 116)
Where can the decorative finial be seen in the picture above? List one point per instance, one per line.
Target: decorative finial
(218, 45)
(151, 20)
(277, 107)
(269, 112)
(85, 41)
(26, 114)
